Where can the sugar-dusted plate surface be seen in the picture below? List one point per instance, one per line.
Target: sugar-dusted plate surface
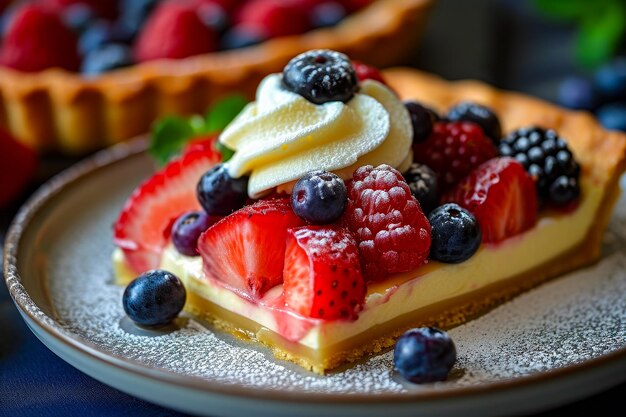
(559, 342)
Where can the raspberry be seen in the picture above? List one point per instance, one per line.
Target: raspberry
(453, 150)
(367, 72)
(392, 232)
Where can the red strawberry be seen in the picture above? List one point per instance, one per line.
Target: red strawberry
(174, 30)
(322, 276)
(367, 72)
(201, 144)
(143, 227)
(274, 17)
(453, 150)
(501, 195)
(107, 9)
(19, 164)
(387, 221)
(36, 39)
(246, 249)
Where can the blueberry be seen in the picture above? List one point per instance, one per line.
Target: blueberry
(107, 58)
(133, 14)
(424, 354)
(610, 79)
(242, 36)
(479, 114)
(327, 14)
(78, 17)
(422, 119)
(219, 193)
(95, 36)
(424, 186)
(214, 16)
(154, 298)
(577, 93)
(319, 197)
(321, 76)
(188, 228)
(613, 116)
(455, 234)
(564, 189)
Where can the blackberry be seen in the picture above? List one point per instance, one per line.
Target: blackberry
(422, 119)
(547, 158)
(319, 197)
(479, 114)
(424, 186)
(321, 76)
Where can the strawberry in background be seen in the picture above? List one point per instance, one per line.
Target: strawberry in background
(18, 165)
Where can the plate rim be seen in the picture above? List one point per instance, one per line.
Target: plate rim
(134, 148)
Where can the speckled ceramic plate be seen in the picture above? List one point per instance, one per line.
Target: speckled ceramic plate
(557, 343)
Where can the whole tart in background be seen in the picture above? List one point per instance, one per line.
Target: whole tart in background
(63, 111)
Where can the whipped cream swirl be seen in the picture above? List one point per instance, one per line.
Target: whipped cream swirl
(282, 136)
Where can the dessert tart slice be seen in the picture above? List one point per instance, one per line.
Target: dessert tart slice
(346, 216)
(109, 83)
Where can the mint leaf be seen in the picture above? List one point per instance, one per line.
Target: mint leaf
(226, 152)
(223, 112)
(600, 34)
(169, 135)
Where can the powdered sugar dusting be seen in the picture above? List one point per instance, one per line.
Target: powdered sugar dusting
(569, 320)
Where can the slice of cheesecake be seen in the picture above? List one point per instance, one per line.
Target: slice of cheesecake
(435, 294)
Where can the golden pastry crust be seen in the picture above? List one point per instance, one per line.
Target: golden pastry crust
(63, 111)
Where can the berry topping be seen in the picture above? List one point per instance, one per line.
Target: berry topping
(502, 197)
(479, 114)
(367, 72)
(422, 119)
(174, 30)
(387, 222)
(610, 79)
(246, 250)
(455, 234)
(219, 193)
(143, 226)
(106, 58)
(327, 13)
(322, 276)
(320, 197)
(424, 186)
(577, 93)
(188, 228)
(547, 158)
(321, 76)
(36, 39)
(453, 150)
(423, 355)
(274, 17)
(613, 116)
(154, 298)
(242, 36)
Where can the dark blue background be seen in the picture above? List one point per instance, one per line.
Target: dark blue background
(501, 42)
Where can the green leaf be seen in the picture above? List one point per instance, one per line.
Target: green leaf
(568, 9)
(226, 152)
(600, 34)
(223, 112)
(169, 135)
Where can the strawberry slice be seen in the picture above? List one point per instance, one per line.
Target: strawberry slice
(501, 195)
(143, 226)
(246, 249)
(322, 277)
